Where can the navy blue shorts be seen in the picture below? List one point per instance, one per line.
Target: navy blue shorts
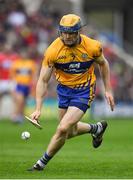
(80, 98)
(25, 90)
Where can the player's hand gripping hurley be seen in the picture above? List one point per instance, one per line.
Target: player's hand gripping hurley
(34, 122)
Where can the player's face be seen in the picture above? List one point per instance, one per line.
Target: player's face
(70, 39)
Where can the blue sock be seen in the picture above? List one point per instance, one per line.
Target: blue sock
(44, 159)
(93, 129)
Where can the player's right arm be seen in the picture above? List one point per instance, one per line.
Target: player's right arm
(41, 90)
(45, 74)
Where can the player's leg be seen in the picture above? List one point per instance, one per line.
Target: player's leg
(96, 130)
(78, 129)
(62, 112)
(19, 95)
(85, 128)
(82, 99)
(19, 103)
(71, 117)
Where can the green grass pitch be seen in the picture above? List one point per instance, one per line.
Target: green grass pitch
(77, 160)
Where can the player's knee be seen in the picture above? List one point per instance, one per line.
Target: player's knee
(62, 130)
(72, 133)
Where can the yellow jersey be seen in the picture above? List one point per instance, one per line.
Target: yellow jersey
(74, 66)
(22, 71)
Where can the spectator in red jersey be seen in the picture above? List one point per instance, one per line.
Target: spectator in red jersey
(6, 59)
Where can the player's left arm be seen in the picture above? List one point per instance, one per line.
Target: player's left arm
(105, 74)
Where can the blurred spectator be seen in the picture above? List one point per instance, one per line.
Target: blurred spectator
(2, 35)
(7, 57)
(23, 73)
(17, 14)
(36, 29)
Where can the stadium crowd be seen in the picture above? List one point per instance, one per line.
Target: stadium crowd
(32, 33)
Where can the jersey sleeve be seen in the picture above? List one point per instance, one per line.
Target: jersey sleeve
(51, 53)
(98, 50)
(48, 59)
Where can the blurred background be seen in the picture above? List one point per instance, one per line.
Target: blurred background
(27, 28)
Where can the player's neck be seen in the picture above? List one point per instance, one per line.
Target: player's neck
(76, 43)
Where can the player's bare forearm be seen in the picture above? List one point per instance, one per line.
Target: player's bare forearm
(105, 74)
(41, 88)
(104, 71)
(40, 93)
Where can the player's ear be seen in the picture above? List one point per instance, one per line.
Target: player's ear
(58, 33)
(79, 32)
(60, 36)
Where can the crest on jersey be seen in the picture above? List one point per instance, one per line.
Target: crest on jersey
(84, 56)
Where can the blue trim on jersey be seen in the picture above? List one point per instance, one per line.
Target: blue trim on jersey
(79, 98)
(24, 71)
(25, 90)
(74, 67)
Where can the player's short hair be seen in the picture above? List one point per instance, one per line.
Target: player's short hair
(70, 23)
